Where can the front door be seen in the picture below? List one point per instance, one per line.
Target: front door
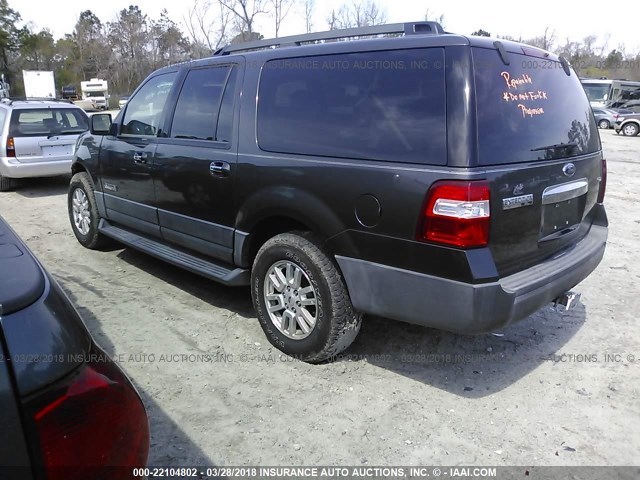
(126, 160)
(195, 165)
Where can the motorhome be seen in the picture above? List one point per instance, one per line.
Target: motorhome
(97, 92)
(606, 93)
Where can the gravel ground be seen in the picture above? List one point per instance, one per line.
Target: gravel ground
(402, 394)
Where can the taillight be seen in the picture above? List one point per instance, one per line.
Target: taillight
(89, 424)
(11, 148)
(603, 181)
(457, 213)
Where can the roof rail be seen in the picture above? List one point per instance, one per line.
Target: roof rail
(413, 28)
(34, 99)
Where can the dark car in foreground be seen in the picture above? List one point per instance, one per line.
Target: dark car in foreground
(427, 177)
(629, 125)
(67, 411)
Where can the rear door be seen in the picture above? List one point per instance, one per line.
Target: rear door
(126, 160)
(195, 166)
(539, 144)
(46, 134)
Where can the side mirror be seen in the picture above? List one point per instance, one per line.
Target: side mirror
(101, 124)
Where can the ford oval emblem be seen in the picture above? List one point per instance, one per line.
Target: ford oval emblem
(569, 169)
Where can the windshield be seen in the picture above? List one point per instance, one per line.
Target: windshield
(597, 92)
(47, 121)
(524, 109)
(95, 94)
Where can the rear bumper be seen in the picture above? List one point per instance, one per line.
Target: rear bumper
(467, 308)
(9, 167)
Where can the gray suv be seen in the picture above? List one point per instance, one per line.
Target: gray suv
(38, 138)
(428, 177)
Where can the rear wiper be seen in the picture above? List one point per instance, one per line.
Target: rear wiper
(556, 146)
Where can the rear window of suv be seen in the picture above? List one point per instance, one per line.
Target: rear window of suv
(529, 104)
(38, 122)
(388, 105)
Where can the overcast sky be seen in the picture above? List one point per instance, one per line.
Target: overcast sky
(570, 19)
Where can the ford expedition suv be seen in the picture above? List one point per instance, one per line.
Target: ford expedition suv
(432, 178)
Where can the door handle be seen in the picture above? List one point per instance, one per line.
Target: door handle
(220, 169)
(140, 158)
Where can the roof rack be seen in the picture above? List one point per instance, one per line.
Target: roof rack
(9, 101)
(413, 28)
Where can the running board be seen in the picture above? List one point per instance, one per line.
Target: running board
(222, 273)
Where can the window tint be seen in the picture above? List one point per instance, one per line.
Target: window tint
(144, 109)
(523, 107)
(198, 106)
(47, 121)
(377, 105)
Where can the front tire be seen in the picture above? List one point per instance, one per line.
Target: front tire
(301, 299)
(83, 212)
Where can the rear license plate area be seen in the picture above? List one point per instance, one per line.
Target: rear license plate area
(562, 216)
(57, 150)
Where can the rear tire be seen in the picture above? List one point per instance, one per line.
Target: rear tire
(6, 183)
(301, 299)
(83, 212)
(604, 124)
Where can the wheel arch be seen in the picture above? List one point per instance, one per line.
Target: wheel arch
(278, 210)
(633, 121)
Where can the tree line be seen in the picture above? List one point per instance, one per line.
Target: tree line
(125, 50)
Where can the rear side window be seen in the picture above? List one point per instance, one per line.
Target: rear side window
(378, 105)
(47, 121)
(199, 104)
(527, 105)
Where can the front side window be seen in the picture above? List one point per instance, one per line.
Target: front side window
(39, 122)
(388, 105)
(198, 106)
(144, 109)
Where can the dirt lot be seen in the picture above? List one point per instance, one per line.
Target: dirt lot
(402, 395)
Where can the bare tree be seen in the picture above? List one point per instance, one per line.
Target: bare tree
(281, 9)
(208, 26)
(429, 16)
(332, 20)
(245, 11)
(547, 41)
(309, 6)
(357, 14)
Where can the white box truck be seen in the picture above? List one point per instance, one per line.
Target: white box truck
(39, 84)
